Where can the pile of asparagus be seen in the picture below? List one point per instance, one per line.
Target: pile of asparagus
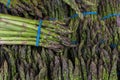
(94, 58)
(97, 53)
(17, 30)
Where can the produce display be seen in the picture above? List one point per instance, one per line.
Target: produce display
(60, 39)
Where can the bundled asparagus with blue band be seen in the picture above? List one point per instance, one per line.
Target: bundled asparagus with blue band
(17, 30)
(108, 10)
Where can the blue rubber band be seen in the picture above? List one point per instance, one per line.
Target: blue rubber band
(38, 33)
(84, 14)
(110, 15)
(102, 41)
(8, 3)
(74, 15)
(89, 13)
(113, 46)
(74, 42)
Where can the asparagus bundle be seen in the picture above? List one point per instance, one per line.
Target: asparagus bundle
(17, 30)
(88, 36)
(35, 9)
(108, 11)
(91, 52)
